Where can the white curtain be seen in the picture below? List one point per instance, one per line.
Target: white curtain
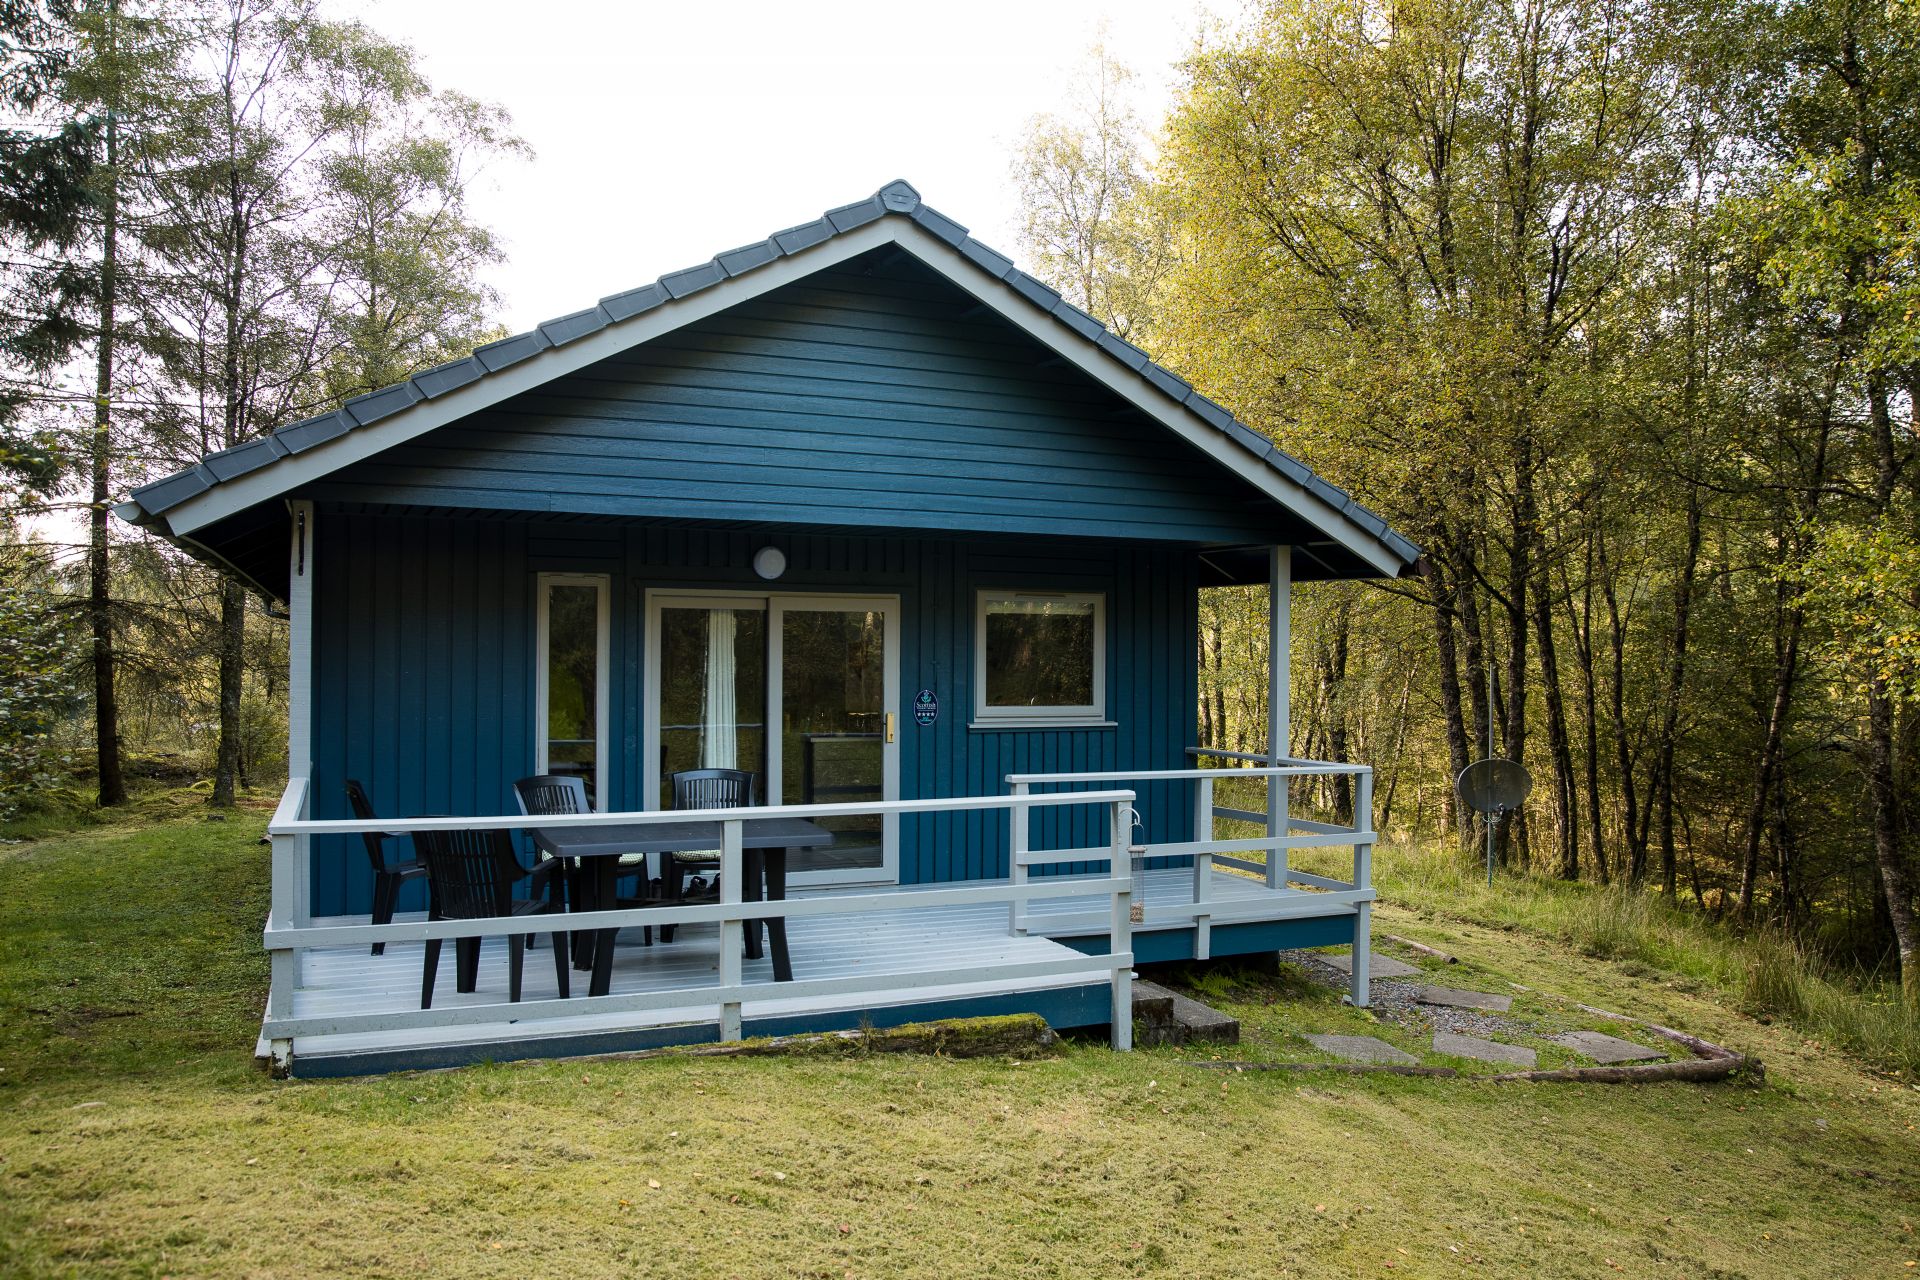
(720, 729)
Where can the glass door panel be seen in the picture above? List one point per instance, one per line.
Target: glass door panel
(834, 682)
(713, 689)
(572, 685)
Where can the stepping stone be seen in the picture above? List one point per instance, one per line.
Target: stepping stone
(1381, 966)
(1166, 1017)
(1606, 1049)
(1361, 1049)
(1484, 1050)
(1454, 999)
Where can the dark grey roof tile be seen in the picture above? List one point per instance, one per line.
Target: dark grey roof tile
(899, 196)
(1372, 523)
(940, 225)
(173, 490)
(857, 214)
(692, 279)
(1405, 548)
(1328, 492)
(804, 236)
(997, 264)
(748, 256)
(242, 458)
(625, 306)
(1216, 417)
(1077, 320)
(1171, 383)
(443, 378)
(1289, 466)
(521, 346)
(376, 405)
(1120, 349)
(1248, 438)
(576, 324)
(301, 436)
(1033, 290)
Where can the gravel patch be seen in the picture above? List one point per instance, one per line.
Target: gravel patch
(1396, 1000)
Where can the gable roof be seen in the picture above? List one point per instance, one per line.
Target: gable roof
(224, 484)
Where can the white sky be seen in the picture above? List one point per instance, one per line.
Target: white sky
(666, 132)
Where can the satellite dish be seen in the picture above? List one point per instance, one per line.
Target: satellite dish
(1494, 786)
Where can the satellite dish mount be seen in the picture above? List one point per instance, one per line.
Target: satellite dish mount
(1493, 786)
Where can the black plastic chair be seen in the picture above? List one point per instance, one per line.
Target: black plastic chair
(387, 878)
(705, 789)
(473, 874)
(555, 793)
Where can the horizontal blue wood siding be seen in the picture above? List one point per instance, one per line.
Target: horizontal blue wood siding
(424, 680)
(870, 394)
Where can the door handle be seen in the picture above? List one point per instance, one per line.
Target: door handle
(889, 726)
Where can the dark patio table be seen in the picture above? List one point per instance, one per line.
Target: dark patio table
(763, 842)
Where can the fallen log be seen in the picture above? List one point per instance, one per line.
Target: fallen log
(1692, 1070)
(1421, 947)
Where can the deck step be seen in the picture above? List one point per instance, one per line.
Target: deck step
(1169, 1018)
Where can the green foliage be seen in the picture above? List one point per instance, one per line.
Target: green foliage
(38, 688)
(1864, 586)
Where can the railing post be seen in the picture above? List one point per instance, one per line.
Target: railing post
(284, 963)
(1202, 869)
(1019, 840)
(1363, 879)
(732, 931)
(1120, 931)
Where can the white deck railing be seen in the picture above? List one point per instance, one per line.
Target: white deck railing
(290, 929)
(1284, 834)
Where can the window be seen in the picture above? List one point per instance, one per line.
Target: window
(570, 687)
(1040, 658)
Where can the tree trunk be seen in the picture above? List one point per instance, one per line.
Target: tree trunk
(1884, 796)
(1336, 690)
(1582, 627)
(1676, 682)
(233, 639)
(106, 706)
(1441, 591)
(1634, 859)
(1566, 801)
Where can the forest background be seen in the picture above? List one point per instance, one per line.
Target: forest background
(1613, 307)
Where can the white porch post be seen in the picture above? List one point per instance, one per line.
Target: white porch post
(290, 901)
(1279, 697)
(1362, 992)
(300, 692)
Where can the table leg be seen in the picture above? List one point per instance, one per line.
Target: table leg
(776, 861)
(754, 872)
(606, 879)
(580, 898)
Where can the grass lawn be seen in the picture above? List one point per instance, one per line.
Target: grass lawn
(136, 1139)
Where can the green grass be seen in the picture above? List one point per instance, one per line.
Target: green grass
(1761, 972)
(137, 1140)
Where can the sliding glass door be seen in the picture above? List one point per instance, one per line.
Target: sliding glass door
(570, 680)
(797, 689)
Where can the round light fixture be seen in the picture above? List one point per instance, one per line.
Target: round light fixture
(769, 562)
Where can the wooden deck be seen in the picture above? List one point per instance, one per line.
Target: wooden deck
(932, 949)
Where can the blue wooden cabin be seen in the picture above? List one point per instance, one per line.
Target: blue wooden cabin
(861, 508)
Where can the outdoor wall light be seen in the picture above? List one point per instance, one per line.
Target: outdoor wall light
(769, 562)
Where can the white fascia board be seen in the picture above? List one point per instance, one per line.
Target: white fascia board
(1006, 302)
(322, 460)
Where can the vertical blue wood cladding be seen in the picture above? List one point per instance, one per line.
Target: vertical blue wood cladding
(871, 394)
(425, 648)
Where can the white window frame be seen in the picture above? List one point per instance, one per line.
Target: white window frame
(775, 603)
(1092, 715)
(602, 676)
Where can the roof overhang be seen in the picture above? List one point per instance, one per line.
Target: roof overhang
(226, 484)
